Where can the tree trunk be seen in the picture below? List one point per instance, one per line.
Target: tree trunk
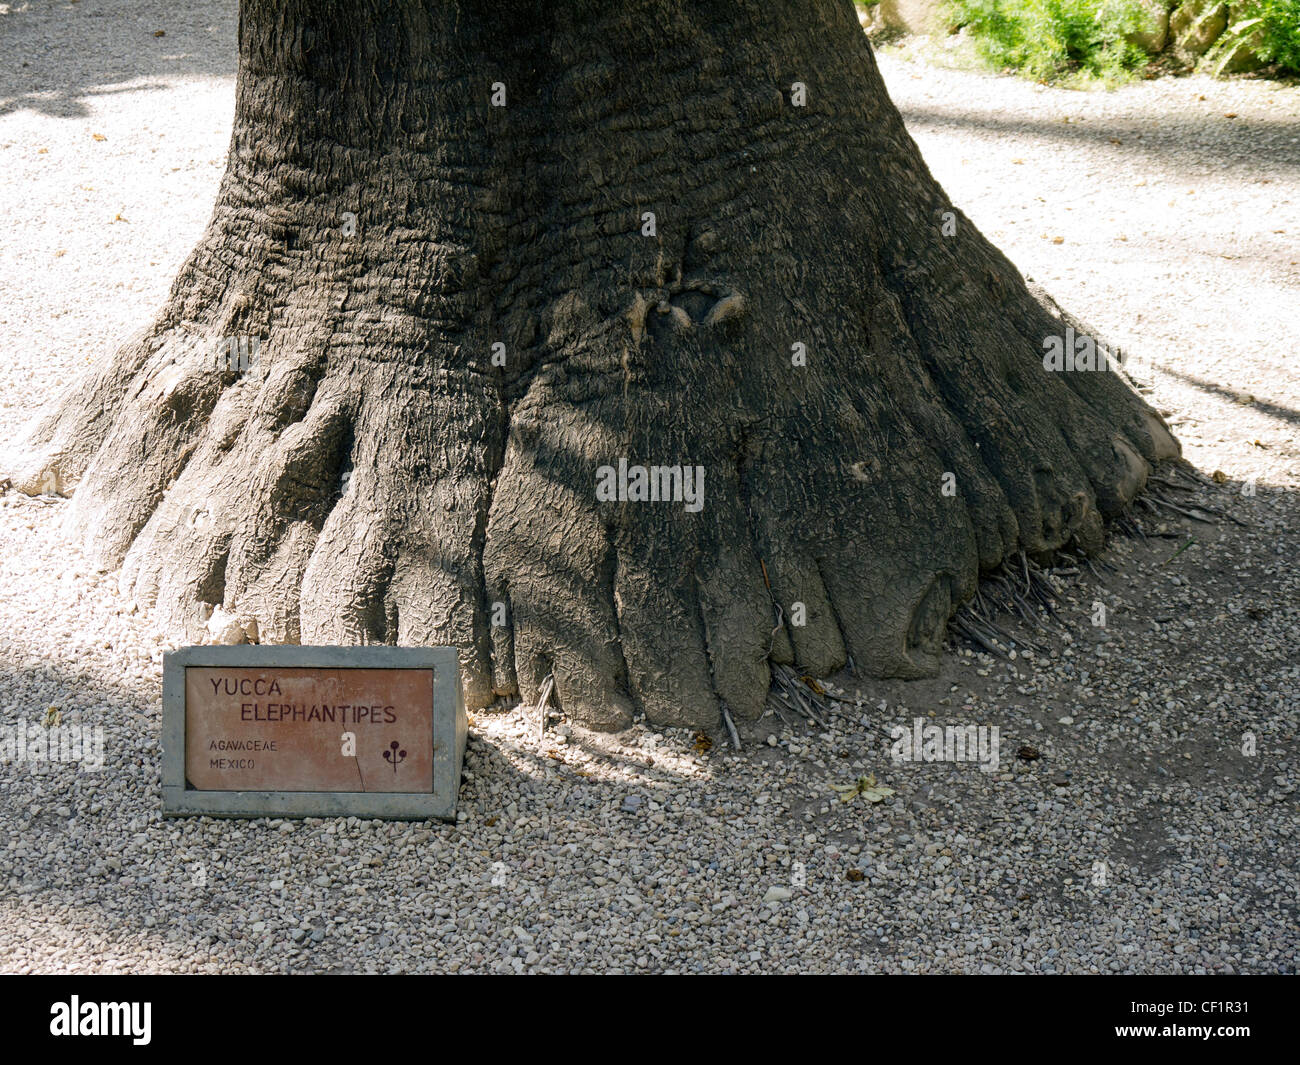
(455, 313)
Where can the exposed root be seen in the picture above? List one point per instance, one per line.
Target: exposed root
(1156, 500)
(1021, 588)
(1027, 591)
(792, 690)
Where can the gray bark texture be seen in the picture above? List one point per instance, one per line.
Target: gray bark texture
(376, 476)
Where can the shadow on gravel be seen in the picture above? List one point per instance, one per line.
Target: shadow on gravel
(55, 57)
(1264, 406)
(1235, 145)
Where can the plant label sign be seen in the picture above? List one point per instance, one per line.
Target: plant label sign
(285, 731)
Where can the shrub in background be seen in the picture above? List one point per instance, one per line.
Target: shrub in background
(1050, 38)
(1277, 39)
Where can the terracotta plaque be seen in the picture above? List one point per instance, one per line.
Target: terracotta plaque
(285, 729)
(292, 731)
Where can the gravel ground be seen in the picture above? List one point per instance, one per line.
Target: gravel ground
(1140, 839)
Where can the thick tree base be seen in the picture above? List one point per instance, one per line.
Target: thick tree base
(460, 329)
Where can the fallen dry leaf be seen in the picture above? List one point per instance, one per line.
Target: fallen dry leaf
(812, 683)
(864, 786)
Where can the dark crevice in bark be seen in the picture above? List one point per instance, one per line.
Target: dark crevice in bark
(483, 519)
(502, 643)
(345, 469)
(368, 620)
(212, 588)
(713, 654)
(605, 580)
(835, 615)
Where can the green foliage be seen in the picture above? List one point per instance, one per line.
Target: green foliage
(1278, 30)
(1050, 39)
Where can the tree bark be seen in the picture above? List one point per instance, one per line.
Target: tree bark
(858, 372)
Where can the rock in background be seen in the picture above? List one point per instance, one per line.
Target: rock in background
(1216, 38)
(917, 17)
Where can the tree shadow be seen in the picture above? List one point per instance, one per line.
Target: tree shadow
(1264, 406)
(1231, 145)
(56, 56)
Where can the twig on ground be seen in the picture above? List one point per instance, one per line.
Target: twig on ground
(548, 685)
(788, 686)
(731, 728)
(1179, 551)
